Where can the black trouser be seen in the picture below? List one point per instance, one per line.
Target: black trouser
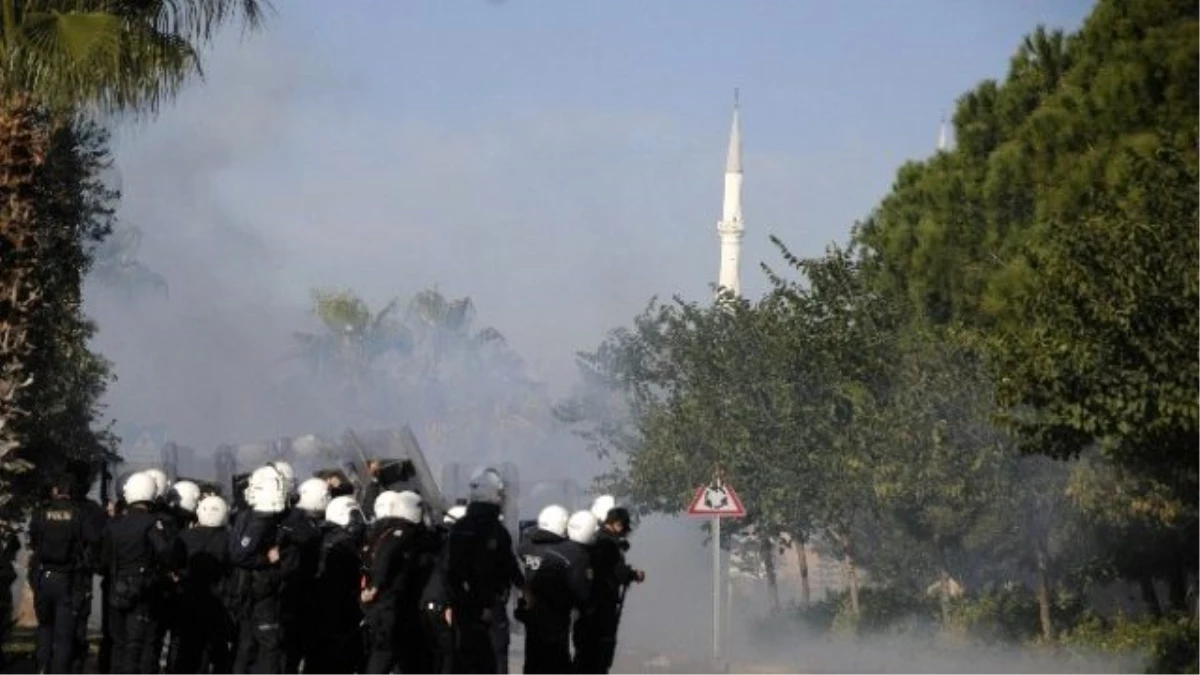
(104, 660)
(203, 634)
(595, 638)
(440, 637)
(474, 651)
(81, 592)
(298, 619)
(382, 634)
(547, 643)
(340, 649)
(500, 633)
(55, 609)
(133, 627)
(169, 631)
(260, 639)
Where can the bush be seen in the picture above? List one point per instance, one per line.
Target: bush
(1170, 644)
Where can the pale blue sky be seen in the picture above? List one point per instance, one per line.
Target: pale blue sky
(560, 162)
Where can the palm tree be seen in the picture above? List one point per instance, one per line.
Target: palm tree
(457, 384)
(57, 58)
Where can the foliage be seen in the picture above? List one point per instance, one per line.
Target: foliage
(463, 386)
(111, 55)
(74, 211)
(994, 385)
(60, 58)
(1104, 348)
(1169, 643)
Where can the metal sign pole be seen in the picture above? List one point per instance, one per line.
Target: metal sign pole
(716, 613)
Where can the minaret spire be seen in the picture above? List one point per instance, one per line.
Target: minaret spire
(941, 142)
(730, 227)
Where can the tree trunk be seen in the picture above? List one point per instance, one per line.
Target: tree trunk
(23, 142)
(802, 561)
(944, 595)
(852, 578)
(1150, 595)
(1043, 594)
(766, 549)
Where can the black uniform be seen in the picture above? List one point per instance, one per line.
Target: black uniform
(170, 594)
(300, 534)
(556, 582)
(338, 584)
(10, 545)
(434, 601)
(137, 544)
(96, 521)
(204, 630)
(256, 583)
(595, 634)
(398, 565)
(60, 535)
(480, 570)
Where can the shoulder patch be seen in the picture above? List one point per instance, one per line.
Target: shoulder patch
(159, 524)
(245, 542)
(397, 533)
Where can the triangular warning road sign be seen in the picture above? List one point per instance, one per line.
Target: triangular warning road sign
(717, 499)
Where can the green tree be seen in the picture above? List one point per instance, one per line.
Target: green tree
(73, 212)
(60, 57)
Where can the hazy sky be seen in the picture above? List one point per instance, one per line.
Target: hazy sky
(559, 162)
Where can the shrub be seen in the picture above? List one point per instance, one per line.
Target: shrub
(1170, 644)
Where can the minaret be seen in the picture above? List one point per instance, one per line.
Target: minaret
(730, 227)
(941, 142)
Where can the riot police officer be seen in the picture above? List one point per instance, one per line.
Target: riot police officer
(556, 583)
(338, 577)
(204, 630)
(480, 567)
(60, 535)
(135, 546)
(434, 599)
(254, 553)
(301, 535)
(390, 560)
(595, 634)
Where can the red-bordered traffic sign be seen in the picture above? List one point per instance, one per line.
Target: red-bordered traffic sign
(716, 499)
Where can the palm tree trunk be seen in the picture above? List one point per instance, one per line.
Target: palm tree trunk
(23, 142)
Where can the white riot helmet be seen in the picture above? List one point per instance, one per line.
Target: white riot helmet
(266, 492)
(160, 482)
(582, 527)
(341, 511)
(138, 488)
(487, 486)
(212, 511)
(314, 495)
(602, 505)
(407, 506)
(383, 504)
(186, 495)
(289, 476)
(454, 513)
(554, 519)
